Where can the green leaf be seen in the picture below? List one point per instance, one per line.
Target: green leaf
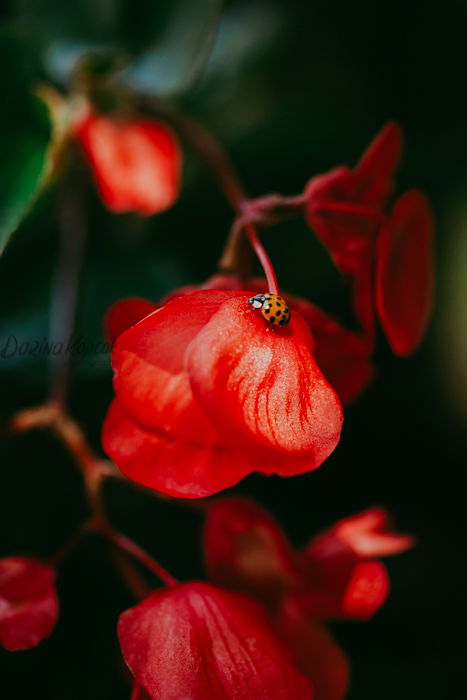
(25, 137)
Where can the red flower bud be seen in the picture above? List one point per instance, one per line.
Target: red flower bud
(404, 272)
(28, 602)
(207, 393)
(197, 641)
(136, 163)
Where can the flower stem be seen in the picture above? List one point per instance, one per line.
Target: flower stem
(71, 543)
(124, 543)
(63, 313)
(263, 257)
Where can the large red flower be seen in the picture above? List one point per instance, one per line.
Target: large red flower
(136, 162)
(206, 393)
(342, 355)
(335, 576)
(28, 602)
(197, 641)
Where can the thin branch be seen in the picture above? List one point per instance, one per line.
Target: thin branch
(127, 545)
(65, 294)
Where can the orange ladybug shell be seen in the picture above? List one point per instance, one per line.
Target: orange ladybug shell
(273, 308)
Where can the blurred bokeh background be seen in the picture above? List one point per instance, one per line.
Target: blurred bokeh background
(291, 89)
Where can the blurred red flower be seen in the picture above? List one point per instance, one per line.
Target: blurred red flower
(197, 641)
(336, 576)
(28, 602)
(206, 393)
(136, 162)
(349, 212)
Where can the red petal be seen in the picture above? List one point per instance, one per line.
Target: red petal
(316, 653)
(262, 386)
(136, 163)
(218, 281)
(368, 535)
(341, 583)
(124, 314)
(245, 550)
(199, 642)
(28, 602)
(404, 274)
(377, 165)
(151, 380)
(174, 466)
(345, 226)
(139, 693)
(366, 591)
(343, 356)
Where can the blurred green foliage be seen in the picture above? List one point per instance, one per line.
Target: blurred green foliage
(291, 89)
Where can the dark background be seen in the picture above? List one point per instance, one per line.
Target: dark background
(292, 89)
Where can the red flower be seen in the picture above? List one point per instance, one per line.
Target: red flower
(343, 356)
(197, 641)
(28, 602)
(348, 210)
(206, 393)
(334, 577)
(136, 162)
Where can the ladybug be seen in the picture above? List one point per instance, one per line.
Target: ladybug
(273, 308)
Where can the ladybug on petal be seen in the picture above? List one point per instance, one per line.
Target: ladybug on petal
(273, 308)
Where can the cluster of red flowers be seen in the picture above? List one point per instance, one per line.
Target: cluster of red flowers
(207, 392)
(257, 630)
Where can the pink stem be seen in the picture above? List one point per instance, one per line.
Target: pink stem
(263, 257)
(138, 553)
(203, 143)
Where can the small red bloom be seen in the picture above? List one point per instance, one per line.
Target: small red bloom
(206, 393)
(136, 162)
(348, 210)
(335, 576)
(246, 551)
(28, 602)
(404, 272)
(197, 641)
